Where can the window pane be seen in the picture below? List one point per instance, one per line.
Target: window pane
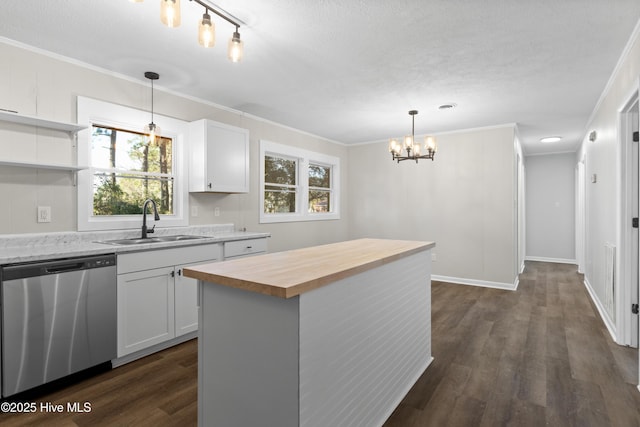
(116, 148)
(118, 194)
(279, 199)
(279, 171)
(122, 153)
(319, 176)
(319, 201)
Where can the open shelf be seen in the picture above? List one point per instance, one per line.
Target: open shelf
(8, 116)
(36, 165)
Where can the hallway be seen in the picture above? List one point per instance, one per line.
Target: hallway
(537, 356)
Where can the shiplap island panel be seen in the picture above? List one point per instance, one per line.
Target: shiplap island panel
(329, 335)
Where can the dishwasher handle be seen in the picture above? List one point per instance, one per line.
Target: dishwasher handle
(64, 268)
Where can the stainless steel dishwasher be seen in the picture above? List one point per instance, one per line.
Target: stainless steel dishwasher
(58, 318)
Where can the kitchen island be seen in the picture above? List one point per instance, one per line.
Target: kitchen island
(329, 335)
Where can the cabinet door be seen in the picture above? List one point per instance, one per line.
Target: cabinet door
(219, 157)
(227, 168)
(145, 309)
(186, 299)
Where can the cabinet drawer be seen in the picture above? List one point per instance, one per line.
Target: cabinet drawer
(244, 247)
(157, 258)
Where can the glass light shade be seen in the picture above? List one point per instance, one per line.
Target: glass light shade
(136, 1)
(416, 150)
(153, 130)
(170, 13)
(206, 31)
(393, 145)
(408, 141)
(236, 47)
(430, 144)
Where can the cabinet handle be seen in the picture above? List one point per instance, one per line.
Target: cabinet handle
(209, 185)
(249, 247)
(180, 272)
(173, 274)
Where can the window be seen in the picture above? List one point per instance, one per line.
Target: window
(125, 168)
(297, 185)
(128, 168)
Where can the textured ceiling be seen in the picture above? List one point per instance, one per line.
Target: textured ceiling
(349, 70)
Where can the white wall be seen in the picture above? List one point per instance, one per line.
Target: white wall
(37, 84)
(464, 201)
(603, 159)
(550, 207)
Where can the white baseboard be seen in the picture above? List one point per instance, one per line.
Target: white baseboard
(153, 349)
(556, 260)
(603, 313)
(482, 283)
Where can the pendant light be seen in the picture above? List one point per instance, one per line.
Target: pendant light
(170, 13)
(236, 47)
(206, 31)
(152, 129)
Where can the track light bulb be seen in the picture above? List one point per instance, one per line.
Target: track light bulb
(170, 13)
(236, 47)
(206, 31)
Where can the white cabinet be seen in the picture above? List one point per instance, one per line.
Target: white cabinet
(219, 157)
(145, 309)
(186, 301)
(156, 302)
(243, 248)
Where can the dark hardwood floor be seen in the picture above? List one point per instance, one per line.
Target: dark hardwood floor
(535, 357)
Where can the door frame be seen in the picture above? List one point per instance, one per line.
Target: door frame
(628, 254)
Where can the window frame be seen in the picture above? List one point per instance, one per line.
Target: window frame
(90, 112)
(304, 158)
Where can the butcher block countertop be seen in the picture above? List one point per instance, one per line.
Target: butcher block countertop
(291, 273)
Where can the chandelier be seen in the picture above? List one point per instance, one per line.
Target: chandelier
(413, 150)
(170, 16)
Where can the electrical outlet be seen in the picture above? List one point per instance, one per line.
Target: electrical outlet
(216, 212)
(44, 213)
(433, 256)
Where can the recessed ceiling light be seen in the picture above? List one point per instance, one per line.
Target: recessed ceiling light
(550, 139)
(447, 106)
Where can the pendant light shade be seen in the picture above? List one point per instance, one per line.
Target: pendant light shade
(206, 31)
(152, 129)
(236, 47)
(170, 13)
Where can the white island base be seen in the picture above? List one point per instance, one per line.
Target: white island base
(344, 353)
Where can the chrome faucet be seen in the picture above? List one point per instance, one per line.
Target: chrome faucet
(156, 217)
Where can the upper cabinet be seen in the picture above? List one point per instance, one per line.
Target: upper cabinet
(219, 157)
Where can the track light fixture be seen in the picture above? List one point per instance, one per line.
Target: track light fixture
(170, 16)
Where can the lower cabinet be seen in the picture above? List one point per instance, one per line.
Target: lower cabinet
(156, 302)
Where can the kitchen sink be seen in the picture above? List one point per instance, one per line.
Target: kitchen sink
(159, 239)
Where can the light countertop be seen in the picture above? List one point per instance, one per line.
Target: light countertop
(291, 273)
(42, 246)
